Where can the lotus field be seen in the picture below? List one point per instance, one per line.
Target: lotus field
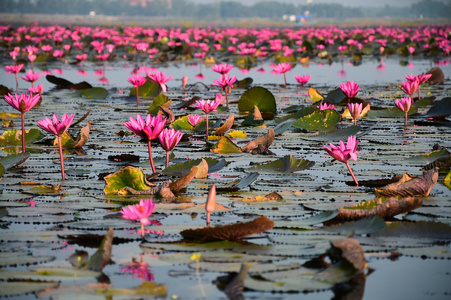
(225, 163)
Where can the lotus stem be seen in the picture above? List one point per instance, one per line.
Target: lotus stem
(285, 78)
(206, 134)
(137, 97)
(167, 159)
(149, 147)
(60, 146)
(208, 219)
(419, 97)
(142, 230)
(23, 132)
(352, 174)
(17, 82)
(227, 98)
(355, 122)
(405, 119)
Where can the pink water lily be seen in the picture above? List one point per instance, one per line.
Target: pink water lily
(31, 76)
(355, 109)
(350, 89)
(58, 128)
(226, 84)
(161, 79)
(148, 130)
(207, 106)
(404, 105)
(22, 103)
(282, 68)
(139, 212)
(222, 68)
(169, 138)
(409, 87)
(345, 152)
(420, 79)
(14, 70)
(137, 81)
(324, 106)
(194, 120)
(302, 79)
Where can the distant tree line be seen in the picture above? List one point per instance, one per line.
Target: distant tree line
(225, 10)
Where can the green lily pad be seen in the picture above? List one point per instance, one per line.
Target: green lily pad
(364, 226)
(225, 145)
(337, 135)
(181, 169)
(126, 176)
(301, 112)
(148, 89)
(260, 97)
(13, 137)
(157, 101)
(95, 93)
(244, 83)
(441, 109)
(12, 288)
(287, 164)
(427, 158)
(316, 219)
(182, 124)
(64, 272)
(17, 259)
(4, 115)
(244, 61)
(285, 59)
(336, 96)
(2, 170)
(13, 160)
(69, 142)
(284, 126)
(322, 120)
(393, 112)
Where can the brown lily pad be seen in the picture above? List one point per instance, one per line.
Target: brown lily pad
(418, 186)
(437, 75)
(265, 140)
(225, 127)
(234, 232)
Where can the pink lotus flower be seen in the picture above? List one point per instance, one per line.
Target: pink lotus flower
(302, 79)
(282, 68)
(194, 120)
(222, 68)
(169, 138)
(345, 152)
(31, 76)
(350, 89)
(404, 105)
(324, 106)
(226, 83)
(137, 81)
(14, 69)
(161, 79)
(139, 269)
(422, 78)
(38, 89)
(207, 106)
(139, 212)
(184, 81)
(58, 128)
(148, 130)
(409, 87)
(22, 103)
(355, 109)
(211, 202)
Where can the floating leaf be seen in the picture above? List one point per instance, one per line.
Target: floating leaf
(244, 83)
(315, 95)
(102, 256)
(225, 127)
(60, 83)
(69, 142)
(2, 170)
(95, 93)
(225, 145)
(437, 75)
(182, 124)
(65, 272)
(322, 120)
(337, 135)
(284, 126)
(148, 89)
(12, 288)
(336, 96)
(428, 157)
(232, 232)
(260, 97)
(4, 90)
(180, 183)
(432, 231)
(18, 259)
(13, 160)
(265, 141)
(287, 164)
(393, 112)
(154, 108)
(418, 186)
(125, 176)
(13, 137)
(182, 168)
(149, 289)
(4, 115)
(316, 219)
(441, 109)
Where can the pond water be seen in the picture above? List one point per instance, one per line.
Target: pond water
(412, 263)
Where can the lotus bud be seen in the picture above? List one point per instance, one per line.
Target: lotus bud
(211, 202)
(184, 81)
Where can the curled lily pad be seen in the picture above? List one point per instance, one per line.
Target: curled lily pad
(225, 145)
(322, 120)
(336, 96)
(126, 177)
(161, 99)
(265, 141)
(315, 95)
(13, 160)
(225, 127)
(232, 232)
(260, 97)
(287, 164)
(180, 169)
(95, 93)
(102, 256)
(239, 184)
(13, 137)
(428, 157)
(69, 142)
(418, 186)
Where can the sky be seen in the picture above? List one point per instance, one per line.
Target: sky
(351, 3)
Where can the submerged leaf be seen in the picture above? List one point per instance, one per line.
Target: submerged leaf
(234, 232)
(13, 137)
